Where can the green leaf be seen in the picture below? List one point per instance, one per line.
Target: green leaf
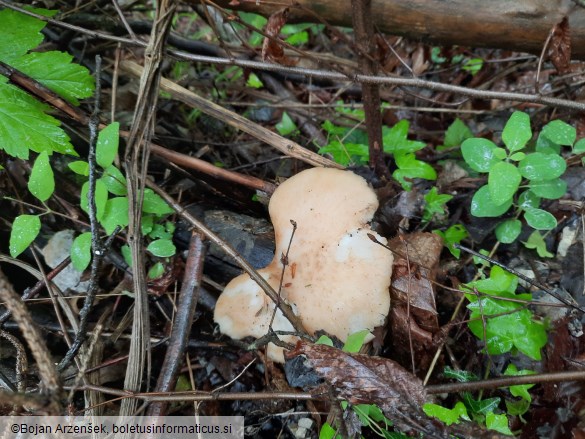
(163, 248)
(158, 231)
(156, 271)
(146, 224)
(115, 181)
(434, 203)
(540, 166)
(355, 341)
(480, 406)
(499, 283)
(107, 145)
(327, 432)
(347, 153)
(153, 203)
(81, 251)
(498, 423)
(473, 65)
(80, 167)
(463, 376)
(546, 146)
(579, 147)
(126, 254)
(536, 242)
(25, 229)
(456, 134)
(560, 132)
(253, 81)
(453, 235)
(517, 156)
(482, 204)
(115, 214)
(56, 71)
(479, 154)
(101, 198)
(539, 219)
(517, 131)
(19, 33)
(298, 38)
(410, 167)
(528, 199)
(549, 189)
(508, 231)
(24, 127)
(42, 180)
(520, 390)
(325, 340)
(517, 408)
(445, 415)
(286, 125)
(503, 182)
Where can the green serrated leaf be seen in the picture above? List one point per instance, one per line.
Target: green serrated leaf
(80, 167)
(19, 33)
(463, 376)
(503, 182)
(115, 181)
(456, 134)
(549, 189)
(24, 127)
(101, 198)
(541, 166)
(286, 125)
(517, 131)
(56, 71)
(498, 423)
(434, 203)
(115, 214)
(539, 219)
(107, 145)
(153, 203)
(41, 182)
(25, 229)
(479, 154)
(508, 231)
(536, 242)
(482, 204)
(163, 248)
(355, 341)
(560, 132)
(81, 251)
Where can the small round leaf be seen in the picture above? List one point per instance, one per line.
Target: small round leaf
(479, 154)
(42, 181)
(25, 229)
(539, 219)
(540, 166)
(508, 231)
(579, 147)
(107, 145)
(80, 167)
(560, 132)
(550, 189)
(517, 131)
(156, 271)
(163, 248)
(482, 204)
(81, 251)
(528, 199)
(503, 181)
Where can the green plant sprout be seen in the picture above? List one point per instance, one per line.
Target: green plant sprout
(350, 146)
(453, 235)
(513, 168)
(435, 204)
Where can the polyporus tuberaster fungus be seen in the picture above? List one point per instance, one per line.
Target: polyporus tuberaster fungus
(336, 278)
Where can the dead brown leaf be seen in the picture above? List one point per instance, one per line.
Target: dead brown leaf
(560, 47)
(271, 49)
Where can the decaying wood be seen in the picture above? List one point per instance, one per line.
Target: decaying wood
(513, 25)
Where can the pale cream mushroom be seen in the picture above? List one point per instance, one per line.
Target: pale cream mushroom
(336, 280)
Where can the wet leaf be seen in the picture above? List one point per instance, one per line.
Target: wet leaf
(560, 47)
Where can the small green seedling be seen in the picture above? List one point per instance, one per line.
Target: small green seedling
(518, 178)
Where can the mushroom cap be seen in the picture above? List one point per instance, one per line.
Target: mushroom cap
(336, 279)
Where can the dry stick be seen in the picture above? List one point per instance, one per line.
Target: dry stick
(31, 334)
(284, 307)
(96, 243)
(136, 166)
(286, 146)
(182, 322)
(364, 41)
(534, 98)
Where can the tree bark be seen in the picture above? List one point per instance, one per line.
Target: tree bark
(505, 24)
